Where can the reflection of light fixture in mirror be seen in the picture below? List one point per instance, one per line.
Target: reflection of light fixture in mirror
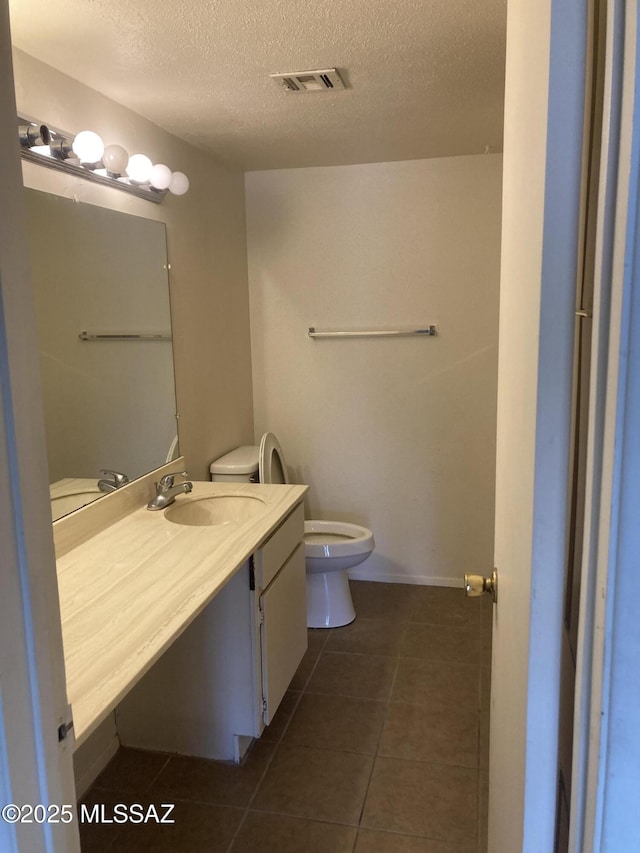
(32, 135)
(139, 168)
(160, 177)
(179, 183)
(60, 149)
(86, 156)
(115, 159)
(88, 147)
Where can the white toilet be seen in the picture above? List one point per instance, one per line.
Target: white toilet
(331, 547)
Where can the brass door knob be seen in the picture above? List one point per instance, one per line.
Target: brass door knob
(475, 585)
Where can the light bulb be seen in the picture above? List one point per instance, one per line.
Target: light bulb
(160, 176)
(139, 168)
(115, 159)
(179, 183)
(88, 146)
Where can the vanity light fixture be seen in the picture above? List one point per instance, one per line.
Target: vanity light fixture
(31, 135)
(88, 147)
(86, 156)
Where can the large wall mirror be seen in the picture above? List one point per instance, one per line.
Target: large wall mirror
(109, 394)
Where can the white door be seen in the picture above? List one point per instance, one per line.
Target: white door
(544, 132)
(544, 102)
(34, 766)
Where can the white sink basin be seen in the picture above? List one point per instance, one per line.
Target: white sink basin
(62, 504)
(214, 510)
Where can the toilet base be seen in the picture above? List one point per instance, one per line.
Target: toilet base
(329, 603)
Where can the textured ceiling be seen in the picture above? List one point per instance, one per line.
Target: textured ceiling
(425, 78)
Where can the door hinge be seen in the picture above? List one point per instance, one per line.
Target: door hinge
(264, 705)
(261, 616)
(63, 730)
(252, 573)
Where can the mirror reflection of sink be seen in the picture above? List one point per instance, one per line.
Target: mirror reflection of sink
(215, 509)
(62, 504)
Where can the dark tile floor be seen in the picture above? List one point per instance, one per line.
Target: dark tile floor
(380, 746)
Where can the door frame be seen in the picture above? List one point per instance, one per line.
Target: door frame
(542, 184)
(607, 744)
(35, 766)
(536, 280)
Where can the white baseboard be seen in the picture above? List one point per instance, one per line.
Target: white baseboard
(90, 759)
(397, 577)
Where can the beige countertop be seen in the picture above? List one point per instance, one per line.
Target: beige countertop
(128, 591)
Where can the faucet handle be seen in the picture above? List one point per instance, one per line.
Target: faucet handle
(167, 480)
(118, 478)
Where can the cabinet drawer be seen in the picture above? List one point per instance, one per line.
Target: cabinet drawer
(275, 551)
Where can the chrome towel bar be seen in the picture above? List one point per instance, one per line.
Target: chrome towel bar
(427, 331)
(124, 336)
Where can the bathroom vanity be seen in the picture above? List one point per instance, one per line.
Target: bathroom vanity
(191, 627)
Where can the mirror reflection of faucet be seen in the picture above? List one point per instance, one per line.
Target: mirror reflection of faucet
(167, 490)
(110, 485)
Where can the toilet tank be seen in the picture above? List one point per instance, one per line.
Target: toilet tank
(237, 466)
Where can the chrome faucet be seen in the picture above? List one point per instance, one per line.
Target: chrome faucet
(106, 485)
(167, 490)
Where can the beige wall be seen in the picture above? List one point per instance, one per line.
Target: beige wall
(207, 251)
(398, 435)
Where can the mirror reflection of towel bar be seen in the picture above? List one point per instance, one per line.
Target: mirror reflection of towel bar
(124, 336)
(427, 331)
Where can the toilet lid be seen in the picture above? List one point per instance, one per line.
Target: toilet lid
(271, 464)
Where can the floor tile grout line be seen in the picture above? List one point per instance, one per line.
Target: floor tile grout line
(237, 832)
(111, 844)
(277, 743)
(479, 821)
(380, 735)
(340, 823)
(303, 817)
(271, 758)
(157, 776)
(382, 831)
(275, 749)
(303, 689)
(358, 654)
(146, 789)
(357, 697)
(394, 679)
(478, 818)
(377, 754)
(258, 783)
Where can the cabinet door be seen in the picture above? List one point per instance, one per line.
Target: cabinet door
(283, 629)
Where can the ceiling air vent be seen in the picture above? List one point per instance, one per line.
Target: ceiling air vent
(309, 81)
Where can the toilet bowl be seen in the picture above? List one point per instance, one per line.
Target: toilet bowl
(335, 545)
(331, 547)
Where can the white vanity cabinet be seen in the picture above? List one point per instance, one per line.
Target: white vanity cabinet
(221, 681)
(279, 581)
